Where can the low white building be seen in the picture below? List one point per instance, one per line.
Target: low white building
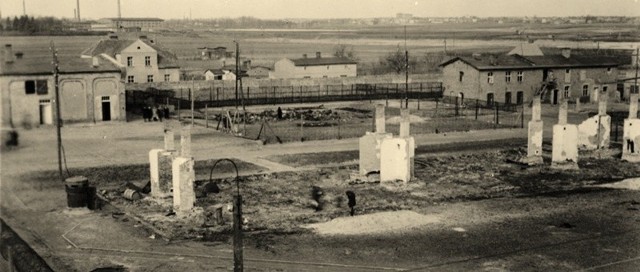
(317, 67)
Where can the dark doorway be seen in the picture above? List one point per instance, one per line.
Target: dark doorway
(507, 98)
(555, 96)
(106, 111)
(490, 99)
(620, 88)
(545, 74)
(520, 98)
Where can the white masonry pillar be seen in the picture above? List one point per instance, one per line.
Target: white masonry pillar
(184, 177)
(535, 133)
(565, 142)
(631, 133)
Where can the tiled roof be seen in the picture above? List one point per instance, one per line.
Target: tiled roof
(526, 49)
(321, 61)
(503, 62)
(37, 64)
(112, 47)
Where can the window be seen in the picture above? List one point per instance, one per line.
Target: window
(585, 90)
(129, 61)
(29, 87)
(489, 99)
(147, 61)
(461, 75)
(609, 69)
(150, 78)
(130, 79)
(490, 77)
(520, 75)
(343, 75)
(105, 98)
(307, 77)
(507, 98)
(583, 74)
(327, 67)
(605, 88)
(567, 75)
(507, 76)
(325, 76)
(167, 77)
(36, 86)
(565, 94)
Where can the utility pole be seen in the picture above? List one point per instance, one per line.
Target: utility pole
(237, 70)
(635, 81)
(56, 71)
(24, 7)
(119, 18)
(406, 71)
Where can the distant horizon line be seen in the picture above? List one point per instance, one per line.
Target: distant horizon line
(327, 18)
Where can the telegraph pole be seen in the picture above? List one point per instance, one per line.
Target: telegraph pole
(635, 81)
(237, 70)
(406, 71)
(56, 71)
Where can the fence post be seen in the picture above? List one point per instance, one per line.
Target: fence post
(178, 111)
(615, 139)
(436, 113)
(274, 95)
(477, 108)
(522, 120)
(206, 115)
(497, 115)
(292, 95)
(210, 93)
(302, 127)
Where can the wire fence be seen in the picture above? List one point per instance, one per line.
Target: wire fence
(435, 113)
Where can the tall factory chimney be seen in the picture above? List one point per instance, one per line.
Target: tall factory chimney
(78, 9)
(24, 8)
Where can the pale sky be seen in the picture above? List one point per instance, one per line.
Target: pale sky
(274, 9)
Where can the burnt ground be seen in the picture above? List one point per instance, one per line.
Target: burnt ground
(281, 203)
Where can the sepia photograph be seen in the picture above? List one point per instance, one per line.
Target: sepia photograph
(319, 135)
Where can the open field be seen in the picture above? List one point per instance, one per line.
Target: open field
(370, 43)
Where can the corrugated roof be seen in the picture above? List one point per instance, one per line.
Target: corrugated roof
(322, 61)
(112, 47)
(33, 64)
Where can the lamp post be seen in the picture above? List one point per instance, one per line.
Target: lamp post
(238, 265)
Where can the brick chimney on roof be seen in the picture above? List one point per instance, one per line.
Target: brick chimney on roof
(566, 52)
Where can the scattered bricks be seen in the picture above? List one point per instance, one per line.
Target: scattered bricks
(184, 177)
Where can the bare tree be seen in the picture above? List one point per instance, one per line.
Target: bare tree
(396, 61)
(344, 51)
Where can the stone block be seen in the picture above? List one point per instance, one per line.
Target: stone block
(169, 139)
(165, 175)
(395, 162)
(184, 177)
(154, 170)
(565, 147)
(633, 106)
(534, 144)
(185, 141)
(405, 123)
(369, 146)
(536, 109)
(562, 112)
(594, 133)
(631, 140)
(380, 119)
